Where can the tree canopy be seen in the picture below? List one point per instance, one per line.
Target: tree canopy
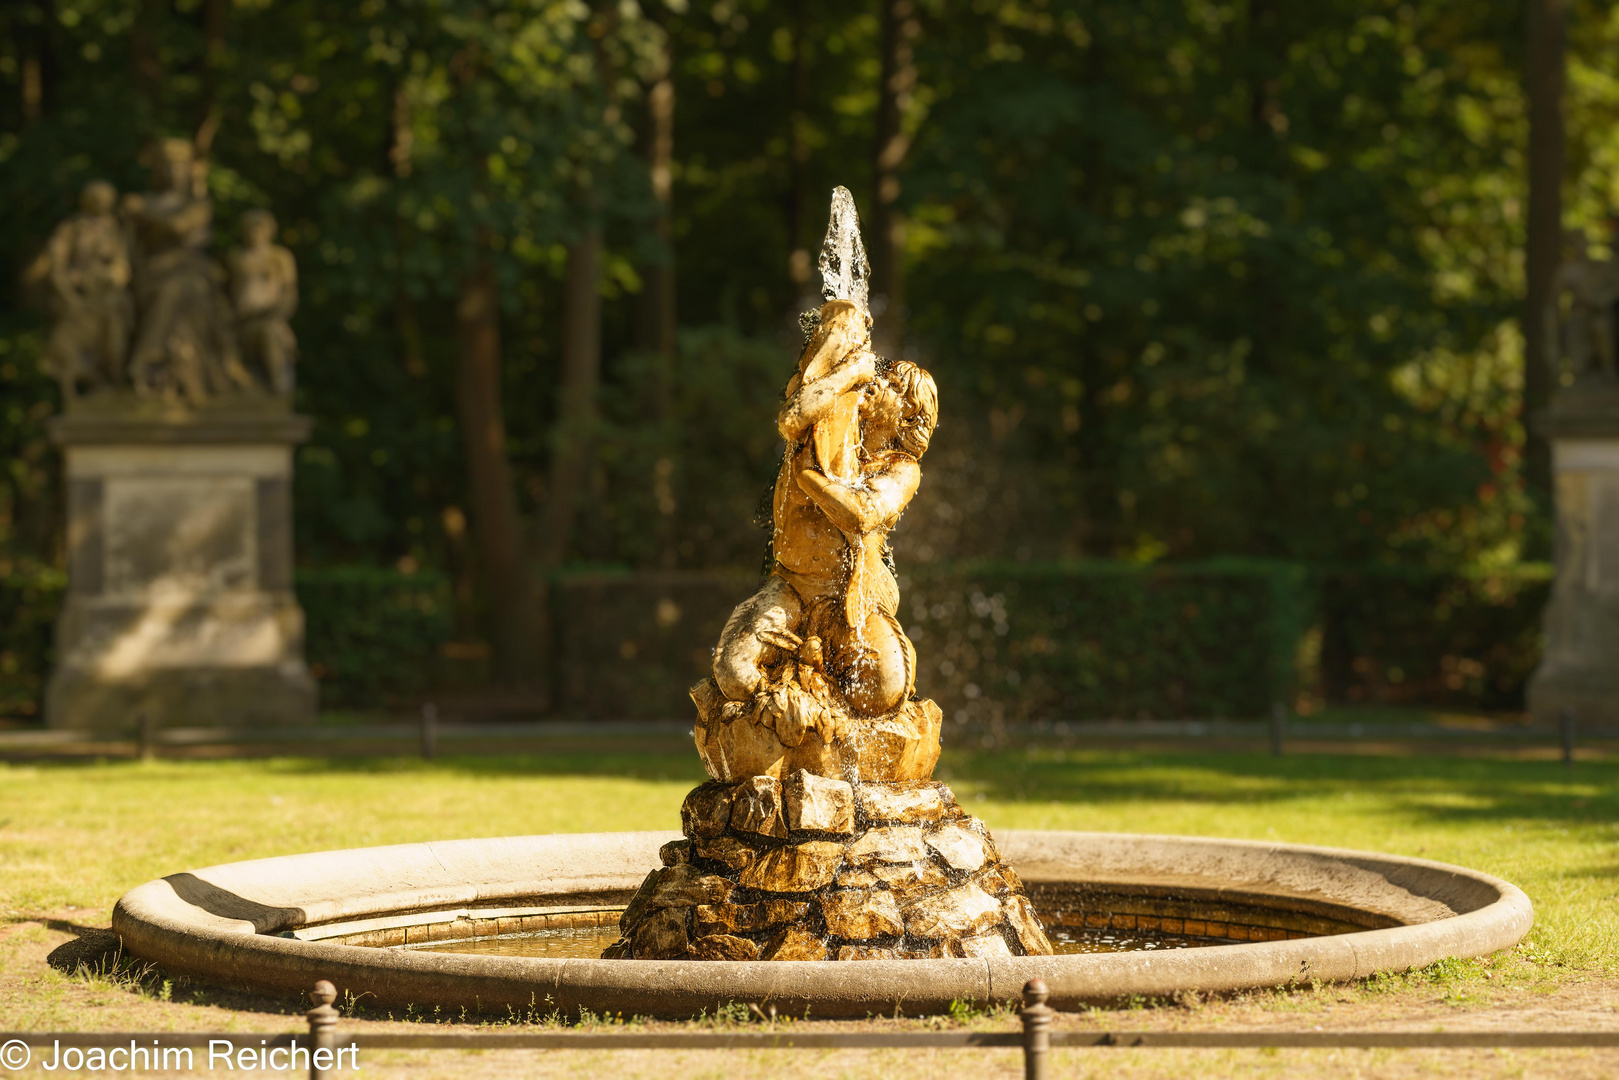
(1196, 277)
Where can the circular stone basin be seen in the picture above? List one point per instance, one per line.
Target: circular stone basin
(1077, 919)
(1278, 913)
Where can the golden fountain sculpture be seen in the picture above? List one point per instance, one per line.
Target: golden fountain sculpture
(822, 835)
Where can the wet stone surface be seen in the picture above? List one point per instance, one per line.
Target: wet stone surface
(591, 942)
(811, 868)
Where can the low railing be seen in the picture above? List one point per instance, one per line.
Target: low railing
(429, 735)
(323, 1049)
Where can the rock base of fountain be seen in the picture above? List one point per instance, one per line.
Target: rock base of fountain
(812, 868)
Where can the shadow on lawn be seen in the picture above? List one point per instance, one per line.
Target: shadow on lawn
(1468, 790)
(672, 764)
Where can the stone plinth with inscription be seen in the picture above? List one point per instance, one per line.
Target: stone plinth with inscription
(1580, 668)
(180, 604)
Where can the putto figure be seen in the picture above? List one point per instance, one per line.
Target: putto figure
(264, 290)
(822, 835)
(86, 264)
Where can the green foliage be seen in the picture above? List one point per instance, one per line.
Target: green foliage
(28, 606)
(1087, 640)
(1226, 638)
(1070, 640)
(1209, 262)
(632, 645)
(1394, 634)
(373, 634)
(688, 483)
(29, 491)
(1197, 280)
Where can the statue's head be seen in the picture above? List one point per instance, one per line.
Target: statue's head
(901, 408)
(98, 197)
(258, 227)
(173, 165)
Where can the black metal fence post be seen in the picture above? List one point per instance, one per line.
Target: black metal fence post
(1566, 722)
(429, 731)
(1036, 1016)
(322, 1030)
(1278, 727)
(143, 736)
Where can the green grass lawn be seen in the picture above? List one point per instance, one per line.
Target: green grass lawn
(78, 836)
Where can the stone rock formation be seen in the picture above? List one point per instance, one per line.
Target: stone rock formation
(812, 868)
(821, 836)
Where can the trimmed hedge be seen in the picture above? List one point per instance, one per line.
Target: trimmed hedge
(373, 634)
(1392, 634)
(995, 641)
(1002, 641)
(1010, 642)
(631, 645)
(28, 607)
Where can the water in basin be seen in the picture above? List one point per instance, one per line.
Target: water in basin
(587, 942)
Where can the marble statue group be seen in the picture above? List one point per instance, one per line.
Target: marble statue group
(139, 304)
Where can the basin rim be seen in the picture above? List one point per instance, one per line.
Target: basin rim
(220, 924)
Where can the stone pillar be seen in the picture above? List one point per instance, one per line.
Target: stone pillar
(180, 603)
(1580, 668)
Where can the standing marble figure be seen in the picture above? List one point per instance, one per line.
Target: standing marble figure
(87, 265)
(264, 290)
(821, 835)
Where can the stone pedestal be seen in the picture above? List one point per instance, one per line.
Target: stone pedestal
(180, 604)
(1580, 668)
(813, 868)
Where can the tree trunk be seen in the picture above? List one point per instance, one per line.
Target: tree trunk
(1543, 242)
(576, 412)
(214, 13)
(656, 329)
(33, 40)
(887, 235)
(492, 499)
(800, 259)
(145, 58)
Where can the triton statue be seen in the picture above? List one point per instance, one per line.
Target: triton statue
(821, 835)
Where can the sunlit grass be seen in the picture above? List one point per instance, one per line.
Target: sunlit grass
(1552, 831)
(78, 836)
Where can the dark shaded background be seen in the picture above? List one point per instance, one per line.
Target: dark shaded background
(1197, 280)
